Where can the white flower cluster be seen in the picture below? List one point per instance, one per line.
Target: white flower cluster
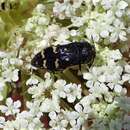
(108, 24)
(54, 35)
(9, 70)
(49, 92)
(69, 91)
(12, 108)
(47, 96)
(41, 91)
(101, 79)
(55, 104)
(38, 22)
(102, 17)
(66, 8)
(105, 83)
(25, 120)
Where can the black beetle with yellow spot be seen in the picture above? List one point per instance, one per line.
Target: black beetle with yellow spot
(63, 56)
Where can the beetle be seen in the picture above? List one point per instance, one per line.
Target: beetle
(60, 57)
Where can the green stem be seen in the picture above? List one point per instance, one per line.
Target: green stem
(10, 18)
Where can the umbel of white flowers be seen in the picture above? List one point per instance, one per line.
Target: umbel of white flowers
(100, 101)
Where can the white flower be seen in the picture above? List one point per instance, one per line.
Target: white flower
(106, 4)
(49, 105)
(116, 6)
(43, 21)
(29, 26)
(44, 43)
(47, 75)
(75, 128)
(99, 89)
(40, 8)
(77, 21)
(106, 25)
(32, 81)
(77, 3)
(122, 4)
(73, 32)
(28, 121)
(22, 120)
(104, 73)
(69, 91)
(104, 34)
(82, 114)
(100, 27)
(127, 68)
(88, 100)
(5, 62)
(118, 88)
(113, 77)
(72, 91)
(93, 76)
(118, 31)
(15, 61)
(9, 125)
(12, 108)
(59, 85)
(52, 31)
(34, 108)
(38, 22)
(114, 55)
(63, 34)
(56, 33)
(72, 117)
(2, 121)
(67, 8)
(95, 2)
(58, 121)
(59, 8)
(11, 74)
(38, 91)
(92, 35)
(3, 54)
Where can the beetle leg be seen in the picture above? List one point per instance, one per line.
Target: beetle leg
(90, 63)
(80, 66)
